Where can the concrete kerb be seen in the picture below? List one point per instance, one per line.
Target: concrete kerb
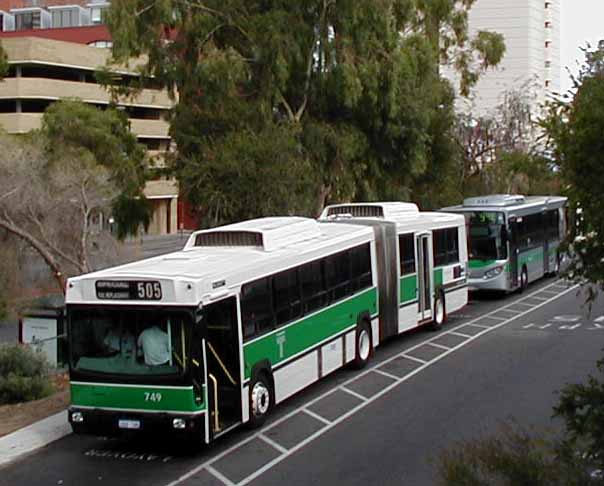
(28, 439)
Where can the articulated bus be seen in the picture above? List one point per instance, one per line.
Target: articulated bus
(199, 341)
(422, 262)
(513, 239)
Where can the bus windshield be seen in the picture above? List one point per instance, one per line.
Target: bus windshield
(130, 341)
(485, 235)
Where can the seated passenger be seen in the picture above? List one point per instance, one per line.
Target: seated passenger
(154, 342)
(119, 341)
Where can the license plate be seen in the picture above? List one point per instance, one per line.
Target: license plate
(129, 424)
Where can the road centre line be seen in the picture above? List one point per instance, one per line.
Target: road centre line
(314, 415)
(436, 345)
(353, 393)
(218, 475)
(272, 443)
(365, 403)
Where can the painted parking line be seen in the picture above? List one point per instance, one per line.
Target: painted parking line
(331, 400)
(480, 326)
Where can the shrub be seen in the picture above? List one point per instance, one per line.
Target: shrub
(23, 375)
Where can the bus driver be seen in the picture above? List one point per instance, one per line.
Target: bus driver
(154, 343)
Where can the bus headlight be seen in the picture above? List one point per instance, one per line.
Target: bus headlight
(493, 272)
(77, 417)
(179, 423)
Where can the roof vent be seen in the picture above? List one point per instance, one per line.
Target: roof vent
(385, 210)
(357, 211)
(495, 200)
(229, 238)
(267, 234)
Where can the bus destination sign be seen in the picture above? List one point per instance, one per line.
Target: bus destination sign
(128, 290)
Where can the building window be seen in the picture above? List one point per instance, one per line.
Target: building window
(64, 18)
(27, 20)
(548, 5)
(97, 15)
(547, 83)
(548, 64)
(548, 44)
(548, 25)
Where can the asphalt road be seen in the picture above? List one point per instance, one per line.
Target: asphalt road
(385, 425)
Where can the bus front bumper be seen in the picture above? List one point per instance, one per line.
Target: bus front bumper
(499, 282)
(112, 423)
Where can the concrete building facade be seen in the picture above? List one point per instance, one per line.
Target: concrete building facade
(531, 30)
(49, 64)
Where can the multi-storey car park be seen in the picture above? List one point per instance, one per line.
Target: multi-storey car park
(199, 341)
(513, 239)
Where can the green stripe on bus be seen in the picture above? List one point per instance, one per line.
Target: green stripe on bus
(408, 288)
(530, 256)
(438, 277)
(134, 398)
(480, 263)
(302, 335)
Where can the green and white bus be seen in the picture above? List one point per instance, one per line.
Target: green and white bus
(199, 341)
(512, 239)
(422, 259)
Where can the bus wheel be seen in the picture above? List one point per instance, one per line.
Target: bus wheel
(440, 311)
(261, 399)
(363, 346)
(523, 280)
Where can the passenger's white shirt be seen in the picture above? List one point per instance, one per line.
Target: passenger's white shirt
(116, 342)
(154, 342)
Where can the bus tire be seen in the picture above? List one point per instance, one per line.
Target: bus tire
(262, 399)
(523, 280)
(440, 311)
(363, 346)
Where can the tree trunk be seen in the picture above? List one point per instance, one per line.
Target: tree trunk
(46, 255)
(323, 194)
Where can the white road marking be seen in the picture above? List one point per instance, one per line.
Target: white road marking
(272, 443)
(345, 416)
(498, 318)
(353, 393)
(479, 326)
(455, 333)
(528, 326)
(568, 327)
(384, 373)
(524, 303)
(218, 475)
(568, 318)
(440, 346)
(316, 416)
(596, 327)
(599, 319)
(542, 299)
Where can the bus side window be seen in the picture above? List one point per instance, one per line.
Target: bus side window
(360, 260)
(286, 295)
(452, 237)
(439, 242)
(407, 254)
(256, 308)
(311, 283)
(337, 270)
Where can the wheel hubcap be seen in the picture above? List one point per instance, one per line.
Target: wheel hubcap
(364, 345)
(260, 399)
(440, 311)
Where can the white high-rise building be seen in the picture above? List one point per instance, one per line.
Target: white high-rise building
(531, 30)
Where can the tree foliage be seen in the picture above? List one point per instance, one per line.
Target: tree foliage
(55, 183)
(575, 125)
(308, 101)
(516, 456)
(79, 131)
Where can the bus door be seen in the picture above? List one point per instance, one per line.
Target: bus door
(222, 354)
(513, 251)
(424, 277)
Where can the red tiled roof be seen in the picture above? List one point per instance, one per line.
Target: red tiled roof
(80, 35)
